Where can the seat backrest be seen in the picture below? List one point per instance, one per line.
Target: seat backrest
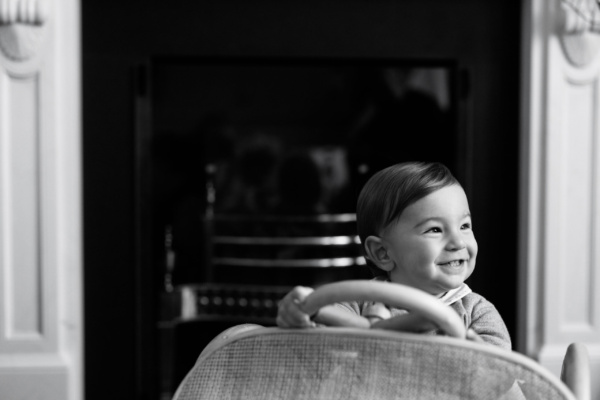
(345, 363)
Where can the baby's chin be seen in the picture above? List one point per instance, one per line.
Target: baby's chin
(447, 285)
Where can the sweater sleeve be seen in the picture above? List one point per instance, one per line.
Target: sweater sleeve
(349, 306)
(488, 324)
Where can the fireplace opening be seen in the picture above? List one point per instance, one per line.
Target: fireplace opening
(254, 167)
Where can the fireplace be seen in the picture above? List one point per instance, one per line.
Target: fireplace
(177, 117)
(254, 166)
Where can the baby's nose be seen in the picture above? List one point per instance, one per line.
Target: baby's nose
(456, 243)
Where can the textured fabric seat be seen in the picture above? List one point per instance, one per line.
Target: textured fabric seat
(252, 362)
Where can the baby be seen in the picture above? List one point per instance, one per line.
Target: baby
(415, 226)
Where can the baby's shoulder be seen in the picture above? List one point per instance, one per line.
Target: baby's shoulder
(474, 302)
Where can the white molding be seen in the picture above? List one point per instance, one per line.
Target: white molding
(559, 259)
(571, 209)
(578, 27)
(22, 305)
(531, 224)
(41, 318)
(27, 12)
(23, 33)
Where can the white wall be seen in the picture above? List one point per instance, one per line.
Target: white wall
(41, 327)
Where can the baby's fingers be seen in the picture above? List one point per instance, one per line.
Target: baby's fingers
(290, 313)
(294, 321)
(472, 335)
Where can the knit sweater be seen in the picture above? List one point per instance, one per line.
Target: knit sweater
(476, 312)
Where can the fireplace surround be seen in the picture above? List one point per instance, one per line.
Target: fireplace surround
(478, 39)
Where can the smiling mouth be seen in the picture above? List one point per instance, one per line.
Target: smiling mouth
(455, 263)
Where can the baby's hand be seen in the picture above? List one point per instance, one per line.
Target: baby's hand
(472, 335)
(290, 313)
(409, 322)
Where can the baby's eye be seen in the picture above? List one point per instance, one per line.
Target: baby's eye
(466, 226)
(435, 229)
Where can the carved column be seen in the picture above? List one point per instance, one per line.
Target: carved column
(560, 185)
(40, 239)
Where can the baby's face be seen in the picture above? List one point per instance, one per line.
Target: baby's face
(432, 245)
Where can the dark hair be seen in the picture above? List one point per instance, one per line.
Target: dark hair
(389, 191)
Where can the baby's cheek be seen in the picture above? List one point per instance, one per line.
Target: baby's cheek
(471, 267)
(474, 245)
(473, 249)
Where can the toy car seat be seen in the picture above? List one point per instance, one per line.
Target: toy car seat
(253, 362)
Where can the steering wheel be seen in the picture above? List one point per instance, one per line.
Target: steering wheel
(392, 294)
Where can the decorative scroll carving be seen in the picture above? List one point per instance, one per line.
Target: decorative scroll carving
(581, 16)
(579, 30)
(21, 28)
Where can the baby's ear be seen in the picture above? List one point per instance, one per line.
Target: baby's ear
(378, 254)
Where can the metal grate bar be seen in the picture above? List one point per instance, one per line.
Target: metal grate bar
(290, 263)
